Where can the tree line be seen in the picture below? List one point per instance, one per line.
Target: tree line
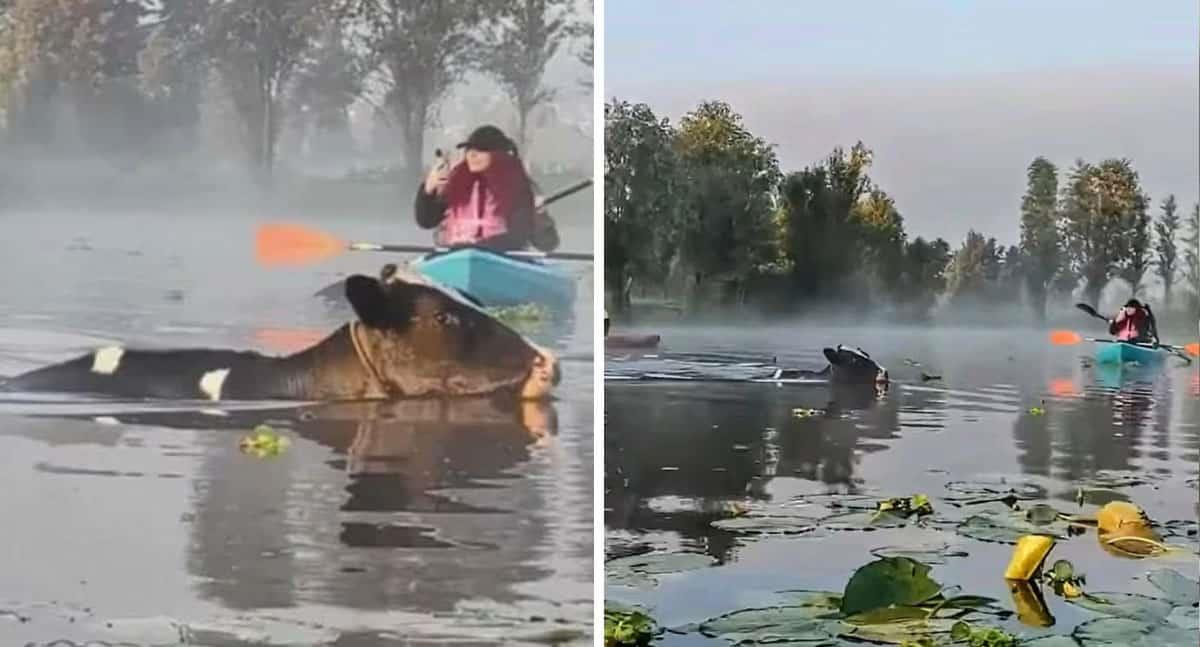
(702, 211)
(138, 73)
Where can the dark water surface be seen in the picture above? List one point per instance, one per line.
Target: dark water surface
(683, 453)
(388, 523)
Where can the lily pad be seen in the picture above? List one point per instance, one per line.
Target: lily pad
(1099, 496)
(794, 624)
(865, 521)
(889, 581)
(900, 632)
(1112, 479)
(1007, 528)
(1051, 641)
(638, 570)
(1124, 632)
(1177, 588)
(1125, 605)
(1186, 617)
(992, 489)
(925, 553)
(767, 524)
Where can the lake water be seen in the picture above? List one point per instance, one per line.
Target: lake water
(685, 451)
(389, 523)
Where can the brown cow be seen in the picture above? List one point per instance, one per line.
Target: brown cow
(411, 338)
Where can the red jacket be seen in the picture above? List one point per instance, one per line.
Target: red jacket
(1127, 327)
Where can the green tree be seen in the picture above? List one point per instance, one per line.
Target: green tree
(882, 238)
(63, 52)
(523, 38)
(1166, 263)
(1138, 257)
(642, 187)
(423, 49)
(259, 46)
(732, 175)
(1041, 243)
(1191, 257)
(924, 276)
(325, 89)
(975, 271)
(584, 30)
(1099, 208)
(822, 234)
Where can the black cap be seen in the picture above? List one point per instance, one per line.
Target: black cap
(489, 138)
(1133, 303)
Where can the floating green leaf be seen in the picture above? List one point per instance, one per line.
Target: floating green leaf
(1007, 528)
(767, 524)
(526, 317)
(1176, 588)
(264, 442)
(1124, 632)
(638, 570)
(926, 553)
(797, 624)
(898, 581)
(917, 504)
(627, 628)
(981, 636)
(1125, 605)
(993, 489)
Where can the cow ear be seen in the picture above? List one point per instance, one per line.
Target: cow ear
(831, 355)
(366, 296)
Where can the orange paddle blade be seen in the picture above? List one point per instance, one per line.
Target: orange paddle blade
(284, 244)
(1064, 337)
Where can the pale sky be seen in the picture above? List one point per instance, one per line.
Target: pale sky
(955, 98)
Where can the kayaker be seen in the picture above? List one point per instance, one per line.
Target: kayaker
(1134, 323)
(485, 199)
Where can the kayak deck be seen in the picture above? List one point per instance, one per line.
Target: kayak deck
(1119, 352)
(496, 279)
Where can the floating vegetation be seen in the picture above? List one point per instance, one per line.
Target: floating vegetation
(935, 553)
(891, 600)
(526, 317)
(998, 489)
(638, 571)
(1009, 528)
(264, 442)
(976, 636)
(918, 505)
(627, 627)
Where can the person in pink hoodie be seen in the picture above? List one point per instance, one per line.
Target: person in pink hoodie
(1134, 323)
(486, 199)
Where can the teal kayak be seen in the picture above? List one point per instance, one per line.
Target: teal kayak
(498, 279)
(1119, 352)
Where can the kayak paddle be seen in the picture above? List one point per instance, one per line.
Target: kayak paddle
(1181, 351)
(1091, 311)
(292, 244)
(1071, 338)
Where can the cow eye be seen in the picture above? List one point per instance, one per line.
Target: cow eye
(445, 319)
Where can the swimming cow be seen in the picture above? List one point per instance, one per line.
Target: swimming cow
(411, 338)
(846, 366)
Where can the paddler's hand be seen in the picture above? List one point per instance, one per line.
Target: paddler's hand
(439, 175)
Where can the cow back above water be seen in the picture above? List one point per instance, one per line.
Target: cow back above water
(411, 338)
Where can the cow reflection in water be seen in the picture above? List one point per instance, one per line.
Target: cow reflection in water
(408, 505)
(726, 443)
